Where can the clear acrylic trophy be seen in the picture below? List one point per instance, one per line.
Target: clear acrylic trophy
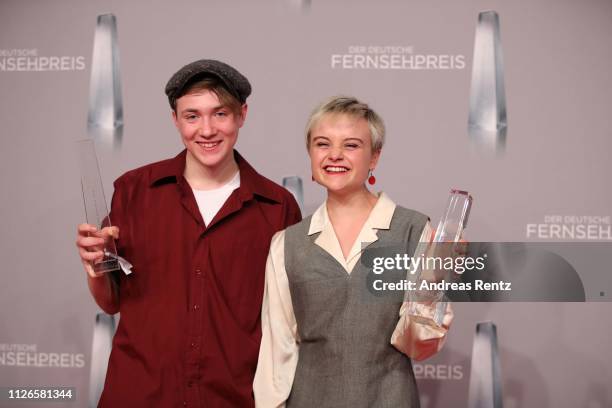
(487, 121)
(96, 210)
(295, 187)
(449, 230)
(455, 217)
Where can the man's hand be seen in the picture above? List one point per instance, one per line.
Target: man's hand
(91, 243)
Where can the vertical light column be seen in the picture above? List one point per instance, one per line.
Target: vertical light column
(485, 377)
(105, 117)
(487, 121)
(104, 330)
(295, 187)
(301, 4)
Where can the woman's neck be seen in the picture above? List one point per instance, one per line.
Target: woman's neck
(348, 214)
(356, 203)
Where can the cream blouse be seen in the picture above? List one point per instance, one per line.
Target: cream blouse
(278, 354)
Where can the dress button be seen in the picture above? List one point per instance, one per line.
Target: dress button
(193, 345)
(196, 307)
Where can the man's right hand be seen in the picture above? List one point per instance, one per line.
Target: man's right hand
(91, 242)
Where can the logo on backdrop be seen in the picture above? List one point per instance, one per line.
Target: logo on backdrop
(438, 371)
(28, 355)
(30, 60)
(394, 57)
(572, 227)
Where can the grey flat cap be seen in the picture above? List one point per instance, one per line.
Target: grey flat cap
(236, 83)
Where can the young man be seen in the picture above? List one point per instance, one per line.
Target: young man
(197, 229)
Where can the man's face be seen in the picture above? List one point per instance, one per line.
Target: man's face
(209, 130)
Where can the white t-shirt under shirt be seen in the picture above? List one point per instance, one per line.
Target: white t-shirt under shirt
(211, 201)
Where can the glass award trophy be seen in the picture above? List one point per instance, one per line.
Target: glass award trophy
(485, 379)
(294, 185)
(96, 211)
(104, 330)
(449, 230)
(105, 114)
(487, 121)
(455, 217)
(105, 104)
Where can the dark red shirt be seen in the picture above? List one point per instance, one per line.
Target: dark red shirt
(189, 330)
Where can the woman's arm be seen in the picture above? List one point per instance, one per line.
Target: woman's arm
(278, 353)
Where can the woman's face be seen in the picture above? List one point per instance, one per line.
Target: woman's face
(341, 153)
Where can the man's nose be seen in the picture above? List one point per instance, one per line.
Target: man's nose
(207, 127)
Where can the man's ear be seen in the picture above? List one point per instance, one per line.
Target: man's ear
(174, 118)
(243, 114)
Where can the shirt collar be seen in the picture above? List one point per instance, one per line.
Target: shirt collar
(251, 182)
(379, 218)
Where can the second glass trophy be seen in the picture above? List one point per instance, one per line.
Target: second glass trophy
(449, 230)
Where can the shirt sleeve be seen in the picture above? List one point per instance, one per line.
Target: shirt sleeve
(417, 335)
(278, 353)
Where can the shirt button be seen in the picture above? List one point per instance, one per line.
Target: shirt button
(196, 307)
(193, 345)
(184, 403)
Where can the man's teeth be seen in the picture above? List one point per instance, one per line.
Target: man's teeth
(209, 144)
(336, 169)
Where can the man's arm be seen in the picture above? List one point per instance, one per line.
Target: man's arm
(292, 215)
(90, 242)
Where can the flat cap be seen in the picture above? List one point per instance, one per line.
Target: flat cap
(236, 83)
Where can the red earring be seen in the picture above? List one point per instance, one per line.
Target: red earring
(371, 178)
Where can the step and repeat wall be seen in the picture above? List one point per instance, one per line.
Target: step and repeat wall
(510, 101)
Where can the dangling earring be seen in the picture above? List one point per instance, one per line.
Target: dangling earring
(371, 178)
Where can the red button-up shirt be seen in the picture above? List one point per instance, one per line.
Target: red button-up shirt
(189, 330)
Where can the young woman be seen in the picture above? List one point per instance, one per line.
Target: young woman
(322, 344)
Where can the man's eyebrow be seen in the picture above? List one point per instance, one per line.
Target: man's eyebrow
(194, 110)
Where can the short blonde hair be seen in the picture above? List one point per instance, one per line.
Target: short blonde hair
(351, 106)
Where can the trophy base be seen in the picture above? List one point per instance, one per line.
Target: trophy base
(107, 265)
